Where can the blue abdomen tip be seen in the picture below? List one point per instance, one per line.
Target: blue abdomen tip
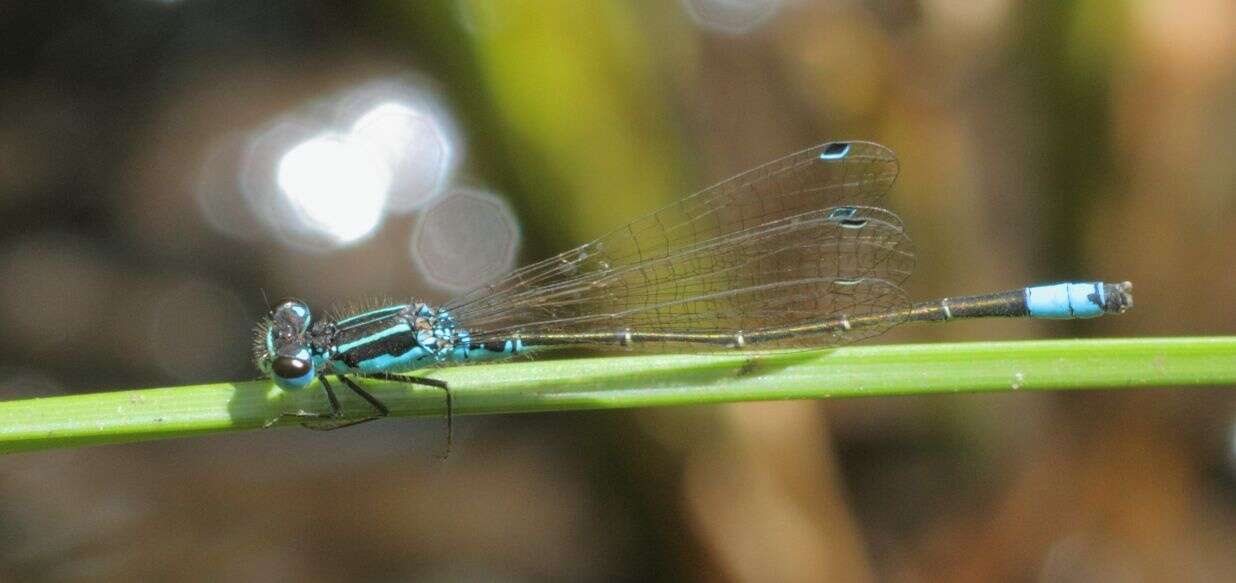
(1065, 301)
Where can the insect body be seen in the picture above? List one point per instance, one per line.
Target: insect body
(792, 254)
(294, 350)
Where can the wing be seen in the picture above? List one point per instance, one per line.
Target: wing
(760, 250)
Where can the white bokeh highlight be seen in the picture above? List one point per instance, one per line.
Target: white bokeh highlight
(337, 186)
(326, 175)
(415, 146)
(280, 218)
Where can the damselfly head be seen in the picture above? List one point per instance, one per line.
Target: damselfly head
(281, 345)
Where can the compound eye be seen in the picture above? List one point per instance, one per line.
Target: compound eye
(292, 313)
(295, 371)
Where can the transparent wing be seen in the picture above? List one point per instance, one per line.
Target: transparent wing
(763, 250)
(788, 273)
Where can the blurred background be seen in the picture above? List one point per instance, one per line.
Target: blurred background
(166, 168)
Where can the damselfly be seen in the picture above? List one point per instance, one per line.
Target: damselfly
(792, 254)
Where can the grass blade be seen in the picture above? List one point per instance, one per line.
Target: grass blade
(638, 381)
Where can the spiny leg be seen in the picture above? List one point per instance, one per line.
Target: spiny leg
(337, 410)
(381, 408)
(435, 383)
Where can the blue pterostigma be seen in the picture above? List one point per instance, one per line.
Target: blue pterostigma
(794, 253)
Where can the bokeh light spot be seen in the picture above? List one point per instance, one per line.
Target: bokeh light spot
(338, 186)
(220, 197)
(416, 148)
(731, 16)
(465, 239)
(326, 175)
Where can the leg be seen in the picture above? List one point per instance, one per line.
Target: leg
(337, 411)
(377, 405)
(435, 383)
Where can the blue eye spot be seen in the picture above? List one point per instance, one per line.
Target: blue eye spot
(835, 151)
(292, 373)
(842, 212)
(293, 313)
(844, 216)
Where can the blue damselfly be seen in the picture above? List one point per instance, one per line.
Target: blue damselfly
(793, 254)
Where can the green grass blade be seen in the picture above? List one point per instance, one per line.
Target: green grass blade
(638, 381)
